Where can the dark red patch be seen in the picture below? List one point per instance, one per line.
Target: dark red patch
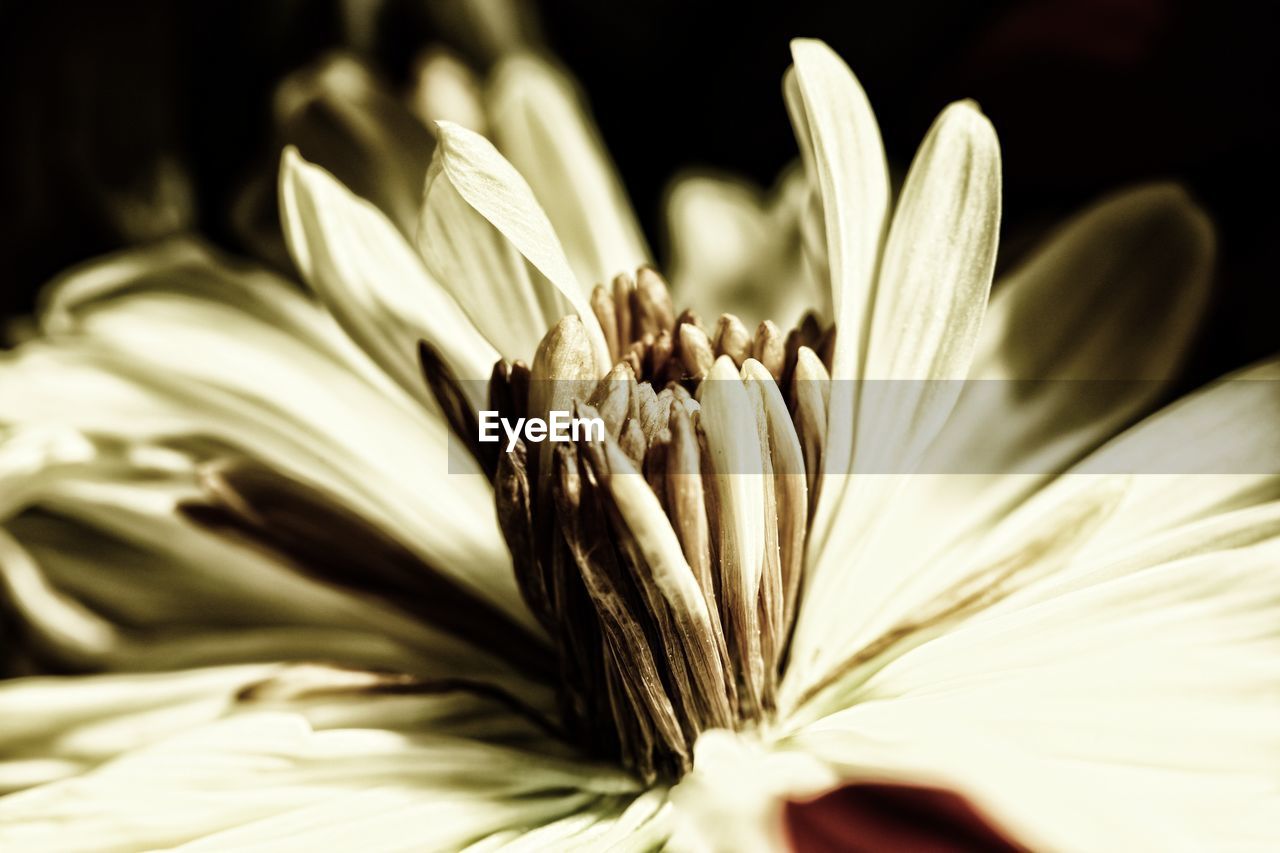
(872, 817)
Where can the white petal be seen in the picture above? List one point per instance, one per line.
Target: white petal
(932, 294)
(540, 123)
(933, 286)
(117, 544)
(263, 777)
(1132, 708)
(162, 362)
(371, 280)
(479, 219)
(841, 147)
(58, 727)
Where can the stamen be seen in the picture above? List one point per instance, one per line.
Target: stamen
(810, 397)
(733, 339)
(696, 352)
(770, 348)
(652, 310)
(664, 562)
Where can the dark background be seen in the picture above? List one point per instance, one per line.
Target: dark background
(1087, 95)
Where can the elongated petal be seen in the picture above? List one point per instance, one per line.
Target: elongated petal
(930, 300)
(163, 363)
(840, 144)
(934, 282)
(371, 281)
(59, 727)
(480, 224)
(261, 775)
(1066, 319)
(541, 125)
(1214, 452)
(844, 158)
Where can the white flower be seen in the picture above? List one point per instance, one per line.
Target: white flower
(209, 477)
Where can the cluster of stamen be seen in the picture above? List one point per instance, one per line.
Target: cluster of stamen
(664, 562)
(669, 594)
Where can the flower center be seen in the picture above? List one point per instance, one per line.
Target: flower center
(664, 561)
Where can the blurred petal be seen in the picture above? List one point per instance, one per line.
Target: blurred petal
(445, 89)
(157, 361)
(1140, 260)
(737, 249)
(261, 775)
(865, 817)
(541, 125)
(342, 118)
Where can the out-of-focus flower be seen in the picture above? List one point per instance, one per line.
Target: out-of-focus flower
(210, 477)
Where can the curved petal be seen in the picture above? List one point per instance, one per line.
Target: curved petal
(539, 122)
(929, 303)
(60, 727)
(163, 363)
(1212, 453)
(372, 281)
(342, 764)
(842, 152)
(480, 223)
(933, 285)
(1141, 259)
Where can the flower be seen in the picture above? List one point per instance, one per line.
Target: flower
(211, 477)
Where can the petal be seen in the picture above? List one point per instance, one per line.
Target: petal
(159, 593)
(371, 280)
(932, 294)
(1214, 452)
(1138, 260)
(840, 144)
(445, 89)
(60, 727)
(934, 282)
(261, 775)
(345, 120)
(737, 249)
(540, 123)
(479, 220)
(160, 362)
(1132, 707)
(870, 816)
